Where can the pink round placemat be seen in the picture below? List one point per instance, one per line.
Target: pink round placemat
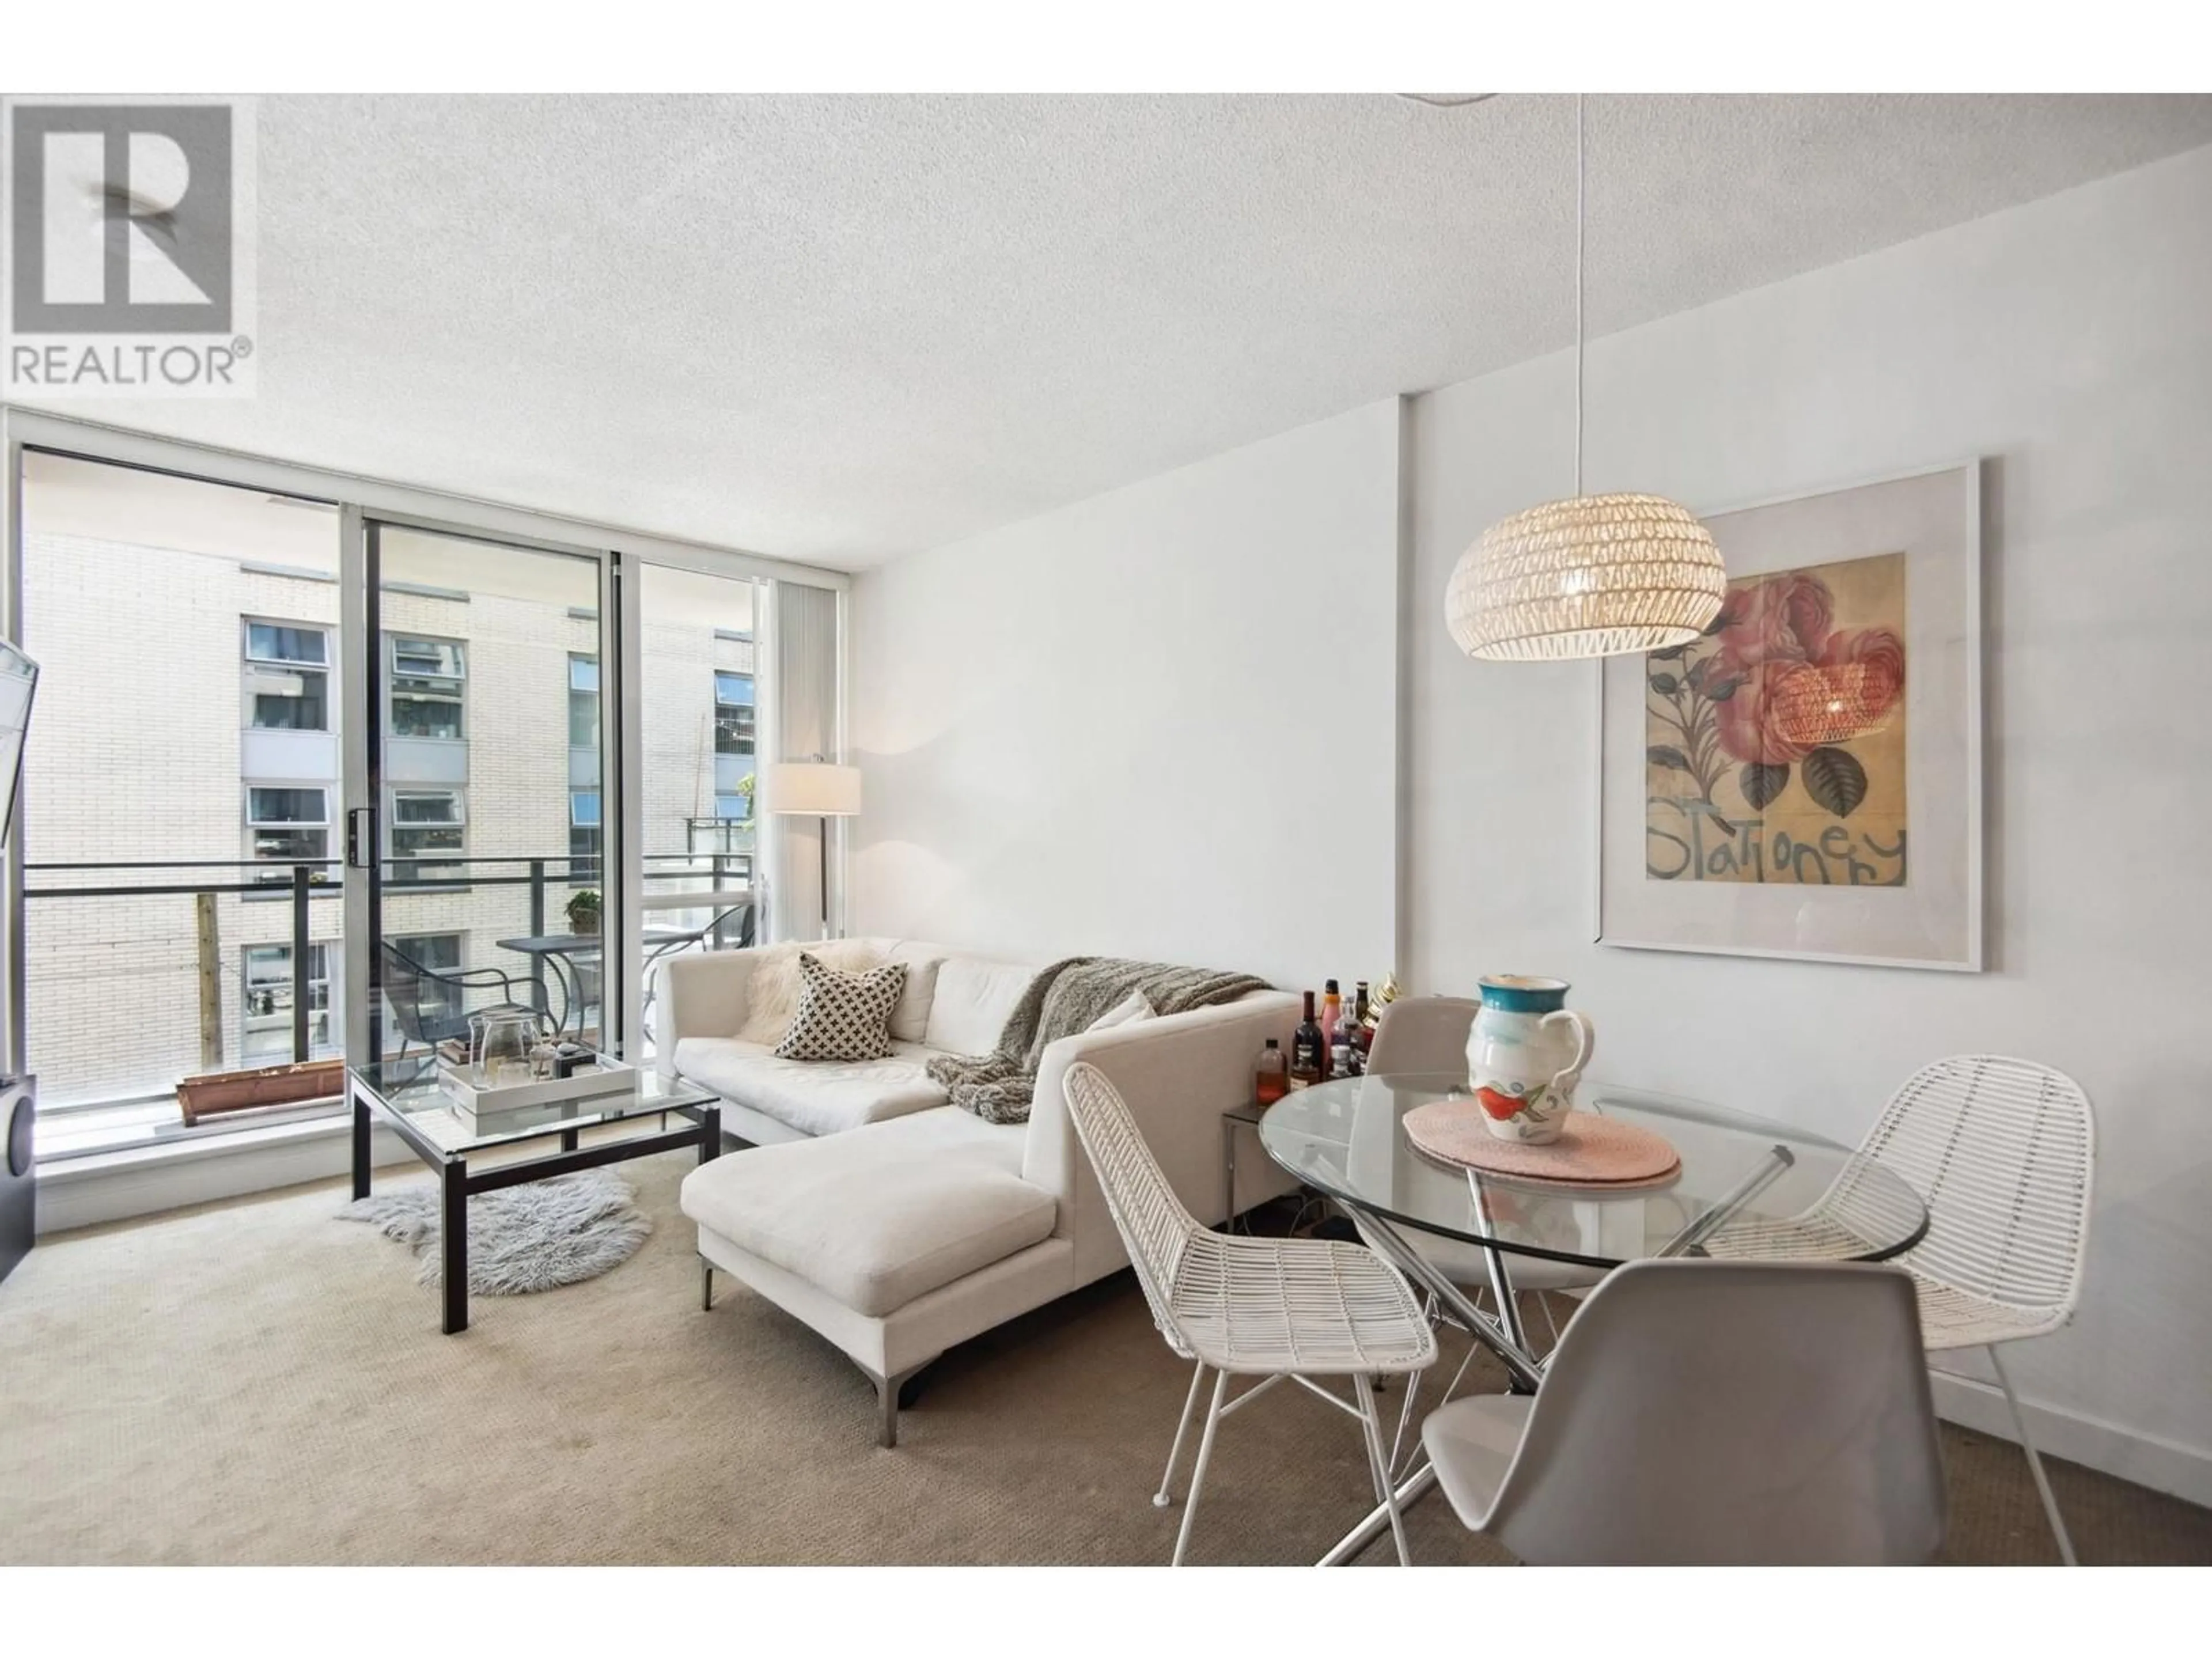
(1591, 1151)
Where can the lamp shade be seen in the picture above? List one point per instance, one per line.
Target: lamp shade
(814, 789)
(1590, 576)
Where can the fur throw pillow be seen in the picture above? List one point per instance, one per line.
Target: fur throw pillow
(772, 991)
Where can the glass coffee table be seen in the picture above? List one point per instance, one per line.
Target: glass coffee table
(406, 1098)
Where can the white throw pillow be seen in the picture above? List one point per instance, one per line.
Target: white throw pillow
(910, 1019)
(842, 1016)
(1127, 1011)
(771, 992)
(973, 998)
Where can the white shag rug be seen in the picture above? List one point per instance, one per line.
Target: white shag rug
(536, 1236)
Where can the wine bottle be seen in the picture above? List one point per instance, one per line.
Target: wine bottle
(1308, 1056)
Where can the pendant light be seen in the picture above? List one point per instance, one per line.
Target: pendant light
(1592, 575)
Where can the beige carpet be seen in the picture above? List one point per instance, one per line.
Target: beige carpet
(256, 1381)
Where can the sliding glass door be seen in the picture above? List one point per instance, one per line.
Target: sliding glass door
(699, 697)
(480, 821)
(319, 767)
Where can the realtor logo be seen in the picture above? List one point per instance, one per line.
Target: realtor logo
(128, 247)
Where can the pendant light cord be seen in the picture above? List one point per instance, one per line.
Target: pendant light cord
(1579, 294)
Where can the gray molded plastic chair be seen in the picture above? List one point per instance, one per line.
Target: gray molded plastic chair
(1713, 1414)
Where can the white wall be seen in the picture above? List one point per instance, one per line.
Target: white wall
(1160, 722)
(2072, 340)
(1156, 724)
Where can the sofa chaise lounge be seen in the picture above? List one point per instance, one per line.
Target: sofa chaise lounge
(897, 1225)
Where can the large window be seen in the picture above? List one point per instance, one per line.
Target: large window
(425, 823)
(265, 1010)
(427, 677)
(583, 701)
(288, 679)
(733, 712)
(585, 830)
(287, 823)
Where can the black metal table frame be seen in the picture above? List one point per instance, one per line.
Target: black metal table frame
(458, 1184)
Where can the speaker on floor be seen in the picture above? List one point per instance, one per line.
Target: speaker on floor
(18, 1196)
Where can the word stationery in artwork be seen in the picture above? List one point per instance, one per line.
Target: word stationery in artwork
(1776, 743)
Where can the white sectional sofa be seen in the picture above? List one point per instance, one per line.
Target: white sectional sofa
(897, 1225)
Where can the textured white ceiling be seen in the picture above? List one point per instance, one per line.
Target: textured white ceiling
(840, 329)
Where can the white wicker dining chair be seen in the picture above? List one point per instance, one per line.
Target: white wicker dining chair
(1276, 1308)
(2003, 1151)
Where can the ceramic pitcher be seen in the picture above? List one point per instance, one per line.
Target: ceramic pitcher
(1525, 1055)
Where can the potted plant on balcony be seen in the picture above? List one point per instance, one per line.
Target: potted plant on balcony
(584, 911)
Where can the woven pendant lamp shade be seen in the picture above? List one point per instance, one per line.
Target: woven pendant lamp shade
(1589, 576)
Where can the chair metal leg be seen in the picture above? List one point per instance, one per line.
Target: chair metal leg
(2035, 1462)
(1370, 1424)
(1198, 1474)
(1165, 1495)
(1405, 1420)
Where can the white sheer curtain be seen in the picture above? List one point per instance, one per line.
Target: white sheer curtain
(800, 721)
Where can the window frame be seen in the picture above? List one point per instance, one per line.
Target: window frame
(427, 688)
(417, 862)
(745, 745)
(250, 661)
(578, 659)
(254, 825)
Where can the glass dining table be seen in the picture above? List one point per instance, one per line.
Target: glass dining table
(1746, 1188)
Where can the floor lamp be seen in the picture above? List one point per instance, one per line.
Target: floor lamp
(816, 789)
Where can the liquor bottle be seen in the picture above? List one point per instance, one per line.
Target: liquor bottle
(1308, 1056)
(1332, 1022)
(1363, 1034)
(1270, 1078)
(1343, 1052)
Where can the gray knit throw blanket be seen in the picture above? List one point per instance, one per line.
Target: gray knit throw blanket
(1065, 999)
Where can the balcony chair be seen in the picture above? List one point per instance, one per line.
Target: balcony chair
(427, 1015)
(1270, 1308)
(1712, 1413)
(2003, 1151)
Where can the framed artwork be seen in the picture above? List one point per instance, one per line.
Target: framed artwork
(1805, 780)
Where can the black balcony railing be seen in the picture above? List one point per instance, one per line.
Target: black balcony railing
(303, 882)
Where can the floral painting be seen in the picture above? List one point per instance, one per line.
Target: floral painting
(1774, 745)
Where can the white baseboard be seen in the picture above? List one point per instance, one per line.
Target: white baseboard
(2162, 1465)
(116, 1186)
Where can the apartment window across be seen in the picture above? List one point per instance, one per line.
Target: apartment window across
(427, 677)
(733, 712)
(265, 1014)
(288, 677)
(287, 825)
(584, 834)
(425, 823)
(583, 701)
(733, 806)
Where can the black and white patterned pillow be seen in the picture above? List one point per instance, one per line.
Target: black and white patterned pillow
(842, 1016)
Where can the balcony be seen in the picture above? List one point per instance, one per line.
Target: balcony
(142, 975)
